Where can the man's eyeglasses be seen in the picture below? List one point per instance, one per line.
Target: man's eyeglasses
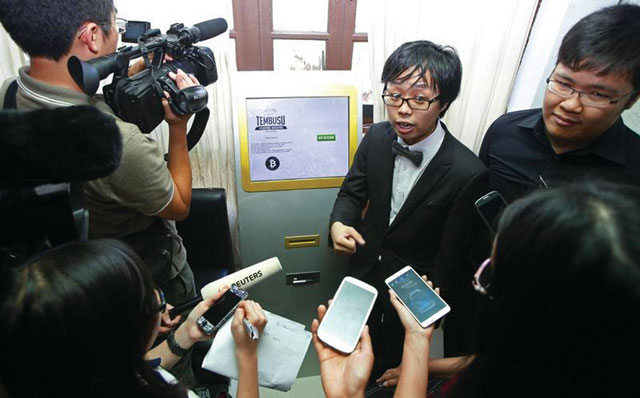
(120, 24)
(594, 99)
(482, 278)
(162, 305)
(418, 103)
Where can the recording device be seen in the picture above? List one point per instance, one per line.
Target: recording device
(222, 310)
(348, 313)
(138, 99)
(134, 30)
(47, 146)
(423, 303)
(489, 207)
(44, 153)
(245, 278)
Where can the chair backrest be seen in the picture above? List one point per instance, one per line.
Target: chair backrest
(206, 235)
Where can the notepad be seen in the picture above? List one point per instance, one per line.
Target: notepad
(282, 347)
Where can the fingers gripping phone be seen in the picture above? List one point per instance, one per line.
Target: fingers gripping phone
(423, 302)
(222, 310)
(348, 313)
(489, 207)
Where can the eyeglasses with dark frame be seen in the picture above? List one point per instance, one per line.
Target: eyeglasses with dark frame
(482, 278)
(418, 103)
(120, 24)
(593, 99)
(162, 305)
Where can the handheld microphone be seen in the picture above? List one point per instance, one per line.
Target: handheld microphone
(244, 279)
(48, 146)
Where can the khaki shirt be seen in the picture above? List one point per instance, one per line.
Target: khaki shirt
(127, 200)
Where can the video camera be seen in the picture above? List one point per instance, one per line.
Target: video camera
(138, 99)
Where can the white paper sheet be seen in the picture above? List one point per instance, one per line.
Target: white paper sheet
(281, 350)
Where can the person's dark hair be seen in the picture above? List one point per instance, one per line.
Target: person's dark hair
(76, 321)
(606, 41)
(423, 56)
(46, 28)
(565, 311)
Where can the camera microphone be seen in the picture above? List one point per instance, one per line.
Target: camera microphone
(209, 29)
(48, 146)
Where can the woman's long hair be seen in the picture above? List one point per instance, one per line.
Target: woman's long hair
(76, 321)
(565, 312)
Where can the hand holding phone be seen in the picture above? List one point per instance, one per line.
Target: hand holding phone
(221, 311)
(424, 304)
(343, 375)
(349, 311)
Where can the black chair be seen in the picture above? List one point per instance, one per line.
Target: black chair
(207, 238)
(206, 235)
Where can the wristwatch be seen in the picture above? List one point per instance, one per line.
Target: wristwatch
(173, 344)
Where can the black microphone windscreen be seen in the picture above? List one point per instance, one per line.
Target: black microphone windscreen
(47, 146)
(211, 28)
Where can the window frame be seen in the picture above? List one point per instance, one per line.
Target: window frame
(254, 35)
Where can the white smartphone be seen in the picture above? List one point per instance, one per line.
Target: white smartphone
(422, 302)
(348, 313)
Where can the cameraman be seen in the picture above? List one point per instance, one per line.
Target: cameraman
(140, 200)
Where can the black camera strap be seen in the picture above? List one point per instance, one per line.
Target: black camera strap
(197, 129)
(10, 95)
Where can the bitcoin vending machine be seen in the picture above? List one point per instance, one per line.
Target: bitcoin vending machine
(296, 136)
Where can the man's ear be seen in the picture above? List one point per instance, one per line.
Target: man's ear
(89, 37)
(633, 100)
(444, 109)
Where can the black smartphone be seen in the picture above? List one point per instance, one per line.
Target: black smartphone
(489, 207)
(134, 30)
(222, 310)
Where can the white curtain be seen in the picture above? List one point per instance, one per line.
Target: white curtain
(489, 36)
(11, 57)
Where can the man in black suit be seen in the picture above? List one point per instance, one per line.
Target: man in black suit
(419, 205)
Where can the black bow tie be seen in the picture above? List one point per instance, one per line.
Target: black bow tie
(414, 156)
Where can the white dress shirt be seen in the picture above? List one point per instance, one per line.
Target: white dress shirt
(406, 174)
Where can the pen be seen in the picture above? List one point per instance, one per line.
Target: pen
(251, 330)
(184, 306)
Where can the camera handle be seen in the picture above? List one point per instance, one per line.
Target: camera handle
(197, 129)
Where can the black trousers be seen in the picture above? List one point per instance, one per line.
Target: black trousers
(385, 328)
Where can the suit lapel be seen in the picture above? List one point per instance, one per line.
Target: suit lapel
(438, 167)
(386, 162)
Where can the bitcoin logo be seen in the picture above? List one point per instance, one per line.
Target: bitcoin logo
(272, 163)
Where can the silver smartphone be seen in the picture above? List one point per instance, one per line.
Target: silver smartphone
(423, 303)
(348, 313)
(221, 310)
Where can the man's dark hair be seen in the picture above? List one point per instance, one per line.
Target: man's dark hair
(606, 41)
(46, 28)
(423, 56)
